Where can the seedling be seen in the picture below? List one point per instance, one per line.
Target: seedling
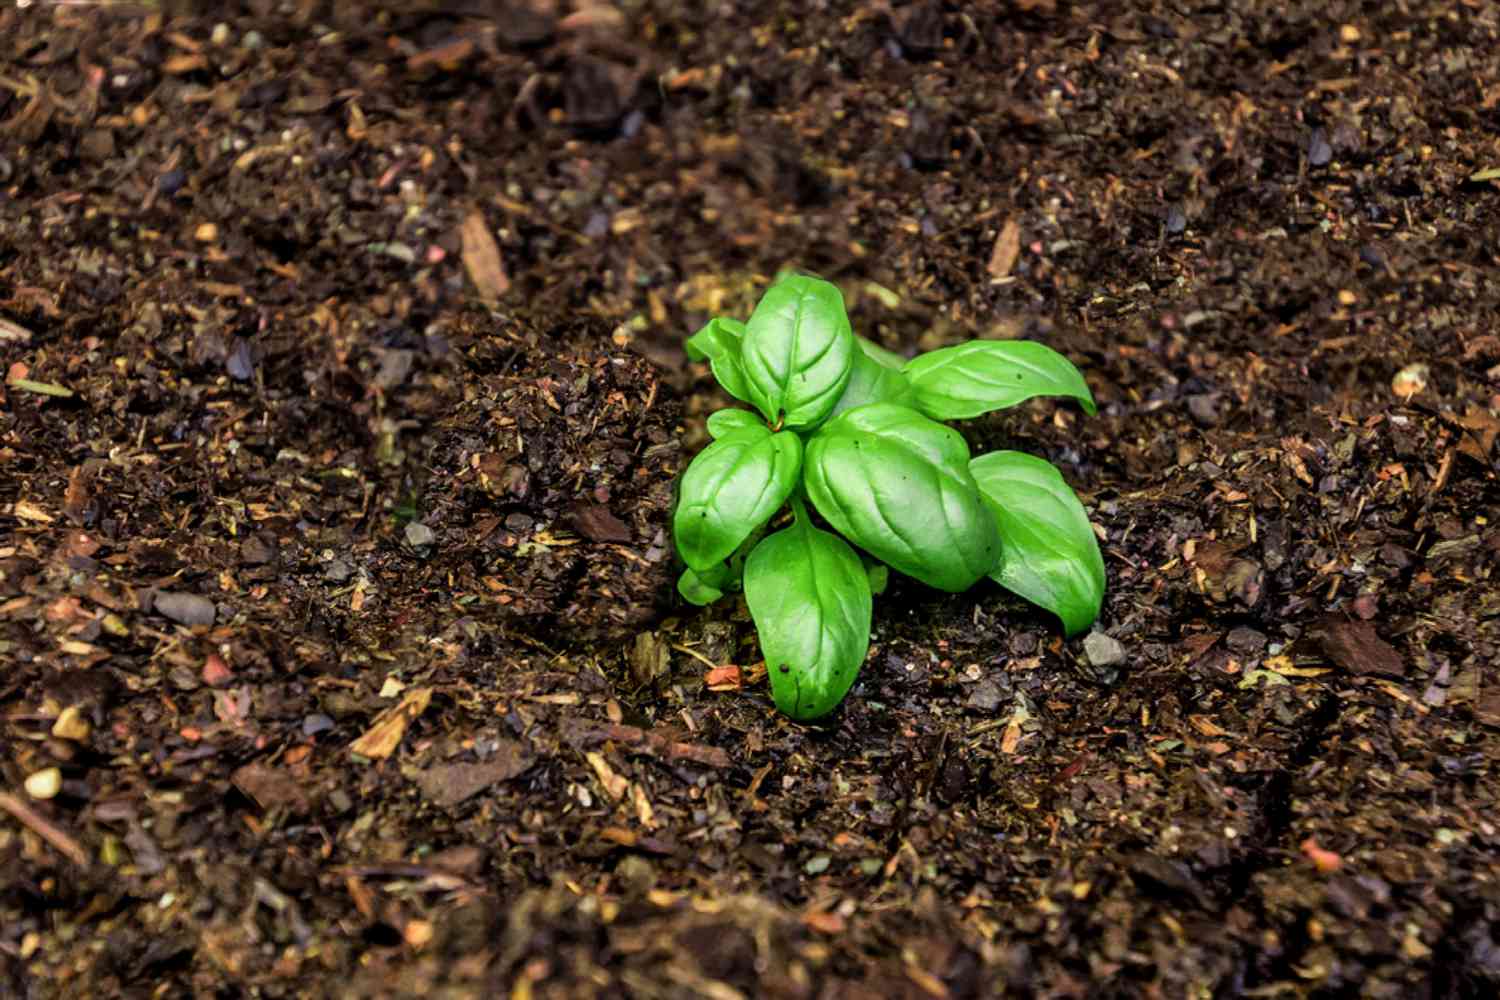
(852, 430)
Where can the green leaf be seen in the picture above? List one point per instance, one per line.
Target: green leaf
(797, 352)
(885, 358)
(872, 382)
(731, 488)
(810, 599)
(722, 423)
(1050, 555)
(898, 485)
(703, 588)
(963, 381)
(718, 343)
(879, 575)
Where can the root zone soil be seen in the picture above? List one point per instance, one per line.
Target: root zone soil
(343, 399)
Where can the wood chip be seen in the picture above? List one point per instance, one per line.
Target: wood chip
(63, 842)
(482, 259)
(382, 738)
(1007, 249)
(614, 785)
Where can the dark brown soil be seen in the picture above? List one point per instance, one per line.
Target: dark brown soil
(344, 395)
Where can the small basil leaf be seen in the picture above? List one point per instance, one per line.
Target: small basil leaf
(879, 575)
(810, 599)
(718, 343)
(730, 489)
(1050, 555)
(872, 382)
(797, 352)
(898, 485)
(963, 381)
(704, 588)
(885, 358)
(724, 422)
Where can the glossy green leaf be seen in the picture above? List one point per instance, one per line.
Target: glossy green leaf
(810, 599)
(704, 588)
(963, 381)
(718, 343)
(872, 382)
(880, 355)
(797, 352)
(898, 485)
(722, 423)
(730, 489)
(1050, 555)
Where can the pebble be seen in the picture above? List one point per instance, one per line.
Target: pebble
(44, 784)
(71, 725)
(1319, 152)
(986, 696)
(241, 363)
(419, 536)
(186, 609)
(1176, 220)
(1103, 650)
(1245, 641)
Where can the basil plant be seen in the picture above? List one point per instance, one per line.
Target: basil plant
(852, 431)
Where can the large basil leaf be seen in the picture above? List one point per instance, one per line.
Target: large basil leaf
(718, 343)
(797, 352)
(722, 423)
(1050, 555)
(898, 485)
(810, 597)
(730, 489)
(872, 382)
(963, 381)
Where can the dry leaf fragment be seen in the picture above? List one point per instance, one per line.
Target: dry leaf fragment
(482, 259)
(382, 738)
(1356, 647)
(725, 678)
(28, 511)
(1007, 249)
(450, 784)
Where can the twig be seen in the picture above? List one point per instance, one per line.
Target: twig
(49, 831)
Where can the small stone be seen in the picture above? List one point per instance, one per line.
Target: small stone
(241, 363)
(1103, 650)
(252, 41)
(315, 724)
(256, 551)
(1319, 151)
(1245, 641)
(71, 725)
(44, 784)
(206, 233)
(1204, 408)
(1410, 380)
(338, 571)
(986, 696)
(419, 536)
(220, 34)
(1176, 220)
(185, 609)
(216, 672)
